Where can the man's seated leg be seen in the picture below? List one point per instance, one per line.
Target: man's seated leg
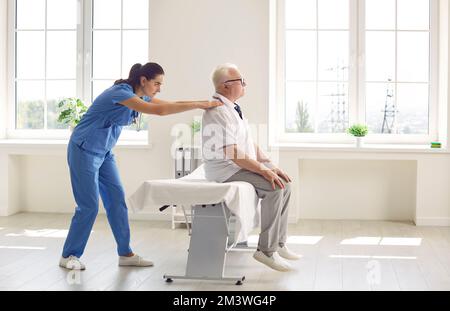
(283, 250)
(271, 205)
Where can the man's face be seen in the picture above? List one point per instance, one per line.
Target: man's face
(234, 84)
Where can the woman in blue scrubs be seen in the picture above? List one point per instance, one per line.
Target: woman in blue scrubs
(93, 170)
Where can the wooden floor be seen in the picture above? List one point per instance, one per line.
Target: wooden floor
(337, 255)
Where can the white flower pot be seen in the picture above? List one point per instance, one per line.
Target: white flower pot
(359, 142)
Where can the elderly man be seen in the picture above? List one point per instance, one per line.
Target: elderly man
(230, 155)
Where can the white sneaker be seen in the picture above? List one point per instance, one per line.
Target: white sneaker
(71, 263)
(274, 261)
(135, 260)
(287, 253)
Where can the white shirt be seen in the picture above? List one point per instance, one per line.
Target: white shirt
(222, 126)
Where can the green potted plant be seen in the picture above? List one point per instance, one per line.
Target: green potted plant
(71, 110)
(359, 131)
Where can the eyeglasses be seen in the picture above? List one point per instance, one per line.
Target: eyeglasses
(242, 80)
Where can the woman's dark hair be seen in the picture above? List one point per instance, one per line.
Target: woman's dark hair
(149, 70)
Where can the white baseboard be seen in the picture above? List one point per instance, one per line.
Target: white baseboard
(4, 212)
(149, 216)
(292, 220)
(433, 221)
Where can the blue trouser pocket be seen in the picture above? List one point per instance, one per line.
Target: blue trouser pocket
(99, 141)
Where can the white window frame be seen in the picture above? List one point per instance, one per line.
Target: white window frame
(83, 76)
(356, 97)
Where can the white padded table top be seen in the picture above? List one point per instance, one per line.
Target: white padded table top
(193, 189)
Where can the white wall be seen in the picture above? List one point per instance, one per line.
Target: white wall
(4, 187)
(357, 189)
(189, 38)
(3, 66)
(16, 179)
(434, 180)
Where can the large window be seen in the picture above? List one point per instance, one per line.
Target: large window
(46, 49)
(119, 40)
(72, 48)
(356, 61)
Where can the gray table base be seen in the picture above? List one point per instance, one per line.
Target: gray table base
(208, 245)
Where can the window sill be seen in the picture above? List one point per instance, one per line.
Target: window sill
(368, 148)
(133, 144)
(43, 145)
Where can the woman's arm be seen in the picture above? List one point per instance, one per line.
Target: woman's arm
(162, 107)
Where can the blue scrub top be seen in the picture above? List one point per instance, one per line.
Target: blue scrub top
(100, 127)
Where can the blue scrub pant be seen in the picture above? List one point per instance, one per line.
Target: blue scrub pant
(90, 174)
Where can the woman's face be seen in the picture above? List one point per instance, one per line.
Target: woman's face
(153, 86)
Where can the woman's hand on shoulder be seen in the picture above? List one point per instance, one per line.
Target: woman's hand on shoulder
(209, 104)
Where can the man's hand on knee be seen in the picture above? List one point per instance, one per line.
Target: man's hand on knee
(273, 178)
(281, 174)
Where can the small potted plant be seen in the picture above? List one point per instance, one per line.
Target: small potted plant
(71, 110)
(359, 131)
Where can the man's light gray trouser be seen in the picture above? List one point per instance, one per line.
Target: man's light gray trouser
(274, 210)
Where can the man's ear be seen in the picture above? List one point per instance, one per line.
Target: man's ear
(143, 80)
